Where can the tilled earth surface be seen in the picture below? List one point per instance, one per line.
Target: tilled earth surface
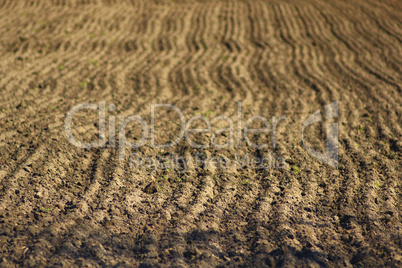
(61, 205)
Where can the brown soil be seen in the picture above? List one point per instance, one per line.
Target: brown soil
(65, 206)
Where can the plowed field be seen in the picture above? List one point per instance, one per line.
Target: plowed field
(123, 206)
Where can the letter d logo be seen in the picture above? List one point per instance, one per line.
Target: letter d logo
(331, 155)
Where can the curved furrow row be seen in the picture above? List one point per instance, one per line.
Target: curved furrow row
(82, 201)
(366, 24)
(290, 57)
(87, 67)
(20, 140)
(237, 45)
(138, 70)
(166, 54)
(173, 212)
(87, 207)
(255, 31)
(260, 26)
(370, 197)
(339, 29)
(239, 68)
(104, 181)
(11, 180)
(98, 178)
(316, 55)
(185, 220)
(380, 118)
(270, 69)
(189, 69)
(206, 214)
(191, 75)
(366, 210)
(283, 216)
(289, 99)
(306, 53)
(197, 205)
(223, 200)
(260, 216)
(117, 207)
(390, 6)
(38, 33)
(216, 52)
(69, 216)
(193, 37)
(389, 14)
(50, 67)
(380, 40)
(226, 53)
(234, 215)
(230, 66)
(335, 64)
(107, 78)
(377, 202)
(177, 203)
(122, 70)
(274, 61)
(386, 26)
(317, 73)
(388, 30)
(176, 44)
(350, 73)
(328, 62)
(350, 210)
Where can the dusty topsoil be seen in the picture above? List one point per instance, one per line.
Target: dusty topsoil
(61, 205)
